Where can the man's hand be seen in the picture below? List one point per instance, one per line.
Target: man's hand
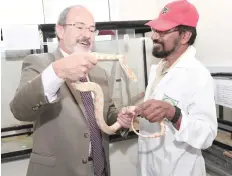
(125, 116)
(155, 110)
(74, 66)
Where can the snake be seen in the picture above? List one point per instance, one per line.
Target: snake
(99, 96)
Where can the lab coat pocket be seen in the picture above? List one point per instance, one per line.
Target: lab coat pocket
(178, 91)
(175, 96)
(170, 100)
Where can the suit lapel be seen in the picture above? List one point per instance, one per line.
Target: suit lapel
(75, 93)
(77, 96)
(57, 54)
(96, 75)
(93, 74)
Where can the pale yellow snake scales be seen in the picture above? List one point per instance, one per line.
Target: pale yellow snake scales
(99, 97)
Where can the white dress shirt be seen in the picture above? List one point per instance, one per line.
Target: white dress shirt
(52, 82)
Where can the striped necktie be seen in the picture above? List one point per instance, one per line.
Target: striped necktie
(97, 150)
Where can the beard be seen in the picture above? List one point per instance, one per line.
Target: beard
(159, 51)
(82, 44)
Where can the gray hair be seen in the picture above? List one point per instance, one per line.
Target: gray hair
(63, 17)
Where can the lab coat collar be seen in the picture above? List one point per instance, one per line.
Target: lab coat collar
(185, 60)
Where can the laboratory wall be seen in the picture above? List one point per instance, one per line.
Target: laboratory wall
(213, 42)
(213, 46)
(46, 11)
(10, 71)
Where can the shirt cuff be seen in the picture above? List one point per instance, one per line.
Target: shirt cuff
(51, 83)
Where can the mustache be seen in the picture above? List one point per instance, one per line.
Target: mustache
(83, 40)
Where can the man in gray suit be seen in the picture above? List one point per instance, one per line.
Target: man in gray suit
(66, 138)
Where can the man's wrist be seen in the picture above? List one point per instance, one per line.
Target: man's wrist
(124, 132)
(176, 116)
(57, 70)
(171, 113)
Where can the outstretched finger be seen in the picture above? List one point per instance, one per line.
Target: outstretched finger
(92, 59)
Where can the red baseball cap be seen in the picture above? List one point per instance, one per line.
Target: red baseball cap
(174, 14)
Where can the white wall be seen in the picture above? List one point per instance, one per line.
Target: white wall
(52, 8)
(123, 10)
(46, 11)
(213, 48)
(21, 12)
(213, 41)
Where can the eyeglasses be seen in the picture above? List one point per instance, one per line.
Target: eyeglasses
(81, 27)
(163, 33)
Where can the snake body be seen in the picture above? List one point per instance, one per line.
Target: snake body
(99, 96)
(98, 106)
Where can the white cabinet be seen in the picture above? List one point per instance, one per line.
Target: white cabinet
(15, 168)
(124, 157)
(11, 71)
(52, 9)
(21, 12)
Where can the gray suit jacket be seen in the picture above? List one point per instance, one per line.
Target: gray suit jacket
(61, 135)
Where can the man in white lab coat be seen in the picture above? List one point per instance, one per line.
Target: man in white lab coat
(180, 92)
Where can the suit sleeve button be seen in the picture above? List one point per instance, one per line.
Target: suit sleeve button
(84, 161)
(86, 135)
(35, 108)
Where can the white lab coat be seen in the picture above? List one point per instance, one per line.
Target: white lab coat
(188, 85)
